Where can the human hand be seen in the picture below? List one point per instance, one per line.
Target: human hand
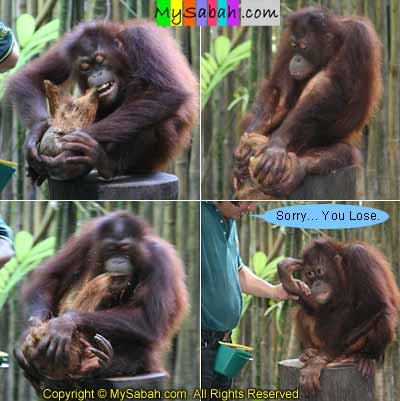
(6, 251)
(280, 294)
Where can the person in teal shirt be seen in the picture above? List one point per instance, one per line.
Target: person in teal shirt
(223, 279)
(6, 243)
(9, 51)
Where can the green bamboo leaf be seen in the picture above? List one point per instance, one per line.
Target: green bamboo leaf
(222, 48)
(205, 74)
(259, 262)
(234, 61)
(278, 319)
(223, 72)
(52, 26)
(45, 245)
(247, 300)
(242, 98)
(44, 35)
(243, 48)
(17, 268)
(23, 244)
(32, 47)
(35, 260)
(213, 64)
(271, 269)
(234, 102)
(209, 64)
(25, 28)
(39, 43)
(10, 265)
(271, 309)
(214, 71)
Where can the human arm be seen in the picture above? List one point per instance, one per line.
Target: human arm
(11, 60)
(6, 247)
(251, 284)
(9, 50)
(6, 251)
(54, 66)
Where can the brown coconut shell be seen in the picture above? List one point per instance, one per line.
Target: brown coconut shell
(68, 114)
(97, 293)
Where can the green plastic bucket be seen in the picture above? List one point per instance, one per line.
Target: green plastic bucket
(3, 360)
(230, 361)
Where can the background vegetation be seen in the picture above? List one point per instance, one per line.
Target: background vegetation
(64, 15)
(233, 96)
(54, 222)
(269, 326)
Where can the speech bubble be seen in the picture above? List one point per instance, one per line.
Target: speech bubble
(324, 216)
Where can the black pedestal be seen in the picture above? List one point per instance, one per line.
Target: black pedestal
(155, 186)
(339, 185)
(139, 387)
(153, 382)
(338, 383)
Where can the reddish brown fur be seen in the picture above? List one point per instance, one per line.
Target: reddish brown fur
(360, 318)
(107, 288)
(361, 84)
(331, 107)
(152, 122)
(368, 282)
(141, 321)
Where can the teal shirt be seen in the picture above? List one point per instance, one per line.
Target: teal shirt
(221, 296)
(6, 42)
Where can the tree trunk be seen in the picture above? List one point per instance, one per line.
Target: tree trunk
(338, 383)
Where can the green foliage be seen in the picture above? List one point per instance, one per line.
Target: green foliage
(266, 271)
(277, 307)
(31, 43)
(241, 97)
(25, 28)
(216, 65)
(27, 257)
(263, 270)
(259, 262)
